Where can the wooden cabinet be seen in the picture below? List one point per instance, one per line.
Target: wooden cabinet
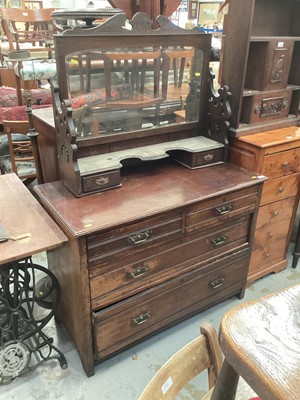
(167, 244)
(275, 154)
(261, 64)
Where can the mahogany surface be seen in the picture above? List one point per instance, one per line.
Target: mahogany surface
(260, 341)
(21, 214)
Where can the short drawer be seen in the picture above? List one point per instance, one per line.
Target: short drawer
(275, 212)
(101, 181)
(126, 322)
(111, 282)
(279, 189)
(135, 236)
(213, 212)
(280, 164)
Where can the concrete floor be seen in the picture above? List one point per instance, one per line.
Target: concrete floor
(125, 375)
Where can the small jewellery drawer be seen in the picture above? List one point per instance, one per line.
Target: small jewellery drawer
(150, 231)
(122, 324)
(266, 106)
(113, 282)
(213, 212)
(279, 188)
(102, 181)
(280, 164)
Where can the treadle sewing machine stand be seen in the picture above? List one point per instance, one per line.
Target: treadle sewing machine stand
(29, 293)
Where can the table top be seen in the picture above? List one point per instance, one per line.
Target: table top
(261, 340)
(22, 216)
(146, 191)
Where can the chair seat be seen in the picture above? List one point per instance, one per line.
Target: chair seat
(36, 70)
(260, 341)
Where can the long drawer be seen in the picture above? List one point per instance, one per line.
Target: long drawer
(218, 210)
(120, 325)
(279, 189)
(113, 282)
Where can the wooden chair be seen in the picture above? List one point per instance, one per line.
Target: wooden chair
(20, 150)
(260, 342)
(30, 44)
(202, 353)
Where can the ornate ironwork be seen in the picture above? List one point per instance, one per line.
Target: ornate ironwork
(25, 308)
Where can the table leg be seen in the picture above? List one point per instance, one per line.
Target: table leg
(25, 309)
(226, 385)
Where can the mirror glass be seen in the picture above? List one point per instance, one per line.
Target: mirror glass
(123, 90)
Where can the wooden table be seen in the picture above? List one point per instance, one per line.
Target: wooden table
(260, 341)
(43, 121)
(29, 293)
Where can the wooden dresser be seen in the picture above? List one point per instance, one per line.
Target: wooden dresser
(275, 154)
(168, 243)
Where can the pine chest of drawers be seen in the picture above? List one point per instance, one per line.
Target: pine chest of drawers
(275, 154)
(168, 243)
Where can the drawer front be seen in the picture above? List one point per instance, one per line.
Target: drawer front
(272, 230)
(121, 325)
(279, 189)
(98, 182)
(113, 282)
(135, 237)
(280, 164)
(201, 159)
(267, 107)
(218, 210)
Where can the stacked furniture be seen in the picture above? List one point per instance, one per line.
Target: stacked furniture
(261, 65)
(171, 238)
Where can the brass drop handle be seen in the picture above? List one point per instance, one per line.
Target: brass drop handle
(217, 283)
(219, 240)
(275, 213)
(141, 319)
(102, 181)
(281, 189)
(285, 165)
(138, 272)
(271, 235)
(224, 209)
(268, 255)
(139, 238)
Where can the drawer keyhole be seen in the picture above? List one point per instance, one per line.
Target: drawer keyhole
(141, 319)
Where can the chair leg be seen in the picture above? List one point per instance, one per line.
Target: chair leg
(226, 385)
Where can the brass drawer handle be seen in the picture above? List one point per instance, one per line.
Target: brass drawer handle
(285, 165)
(138, 272)
(219, 240)
(224, 209)
(217, 283)
(208, 157)
(281, 189)
(275, 213)
(139, 238)
(141, 319)
(271, 235)
(101, 181)
(268, 255)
